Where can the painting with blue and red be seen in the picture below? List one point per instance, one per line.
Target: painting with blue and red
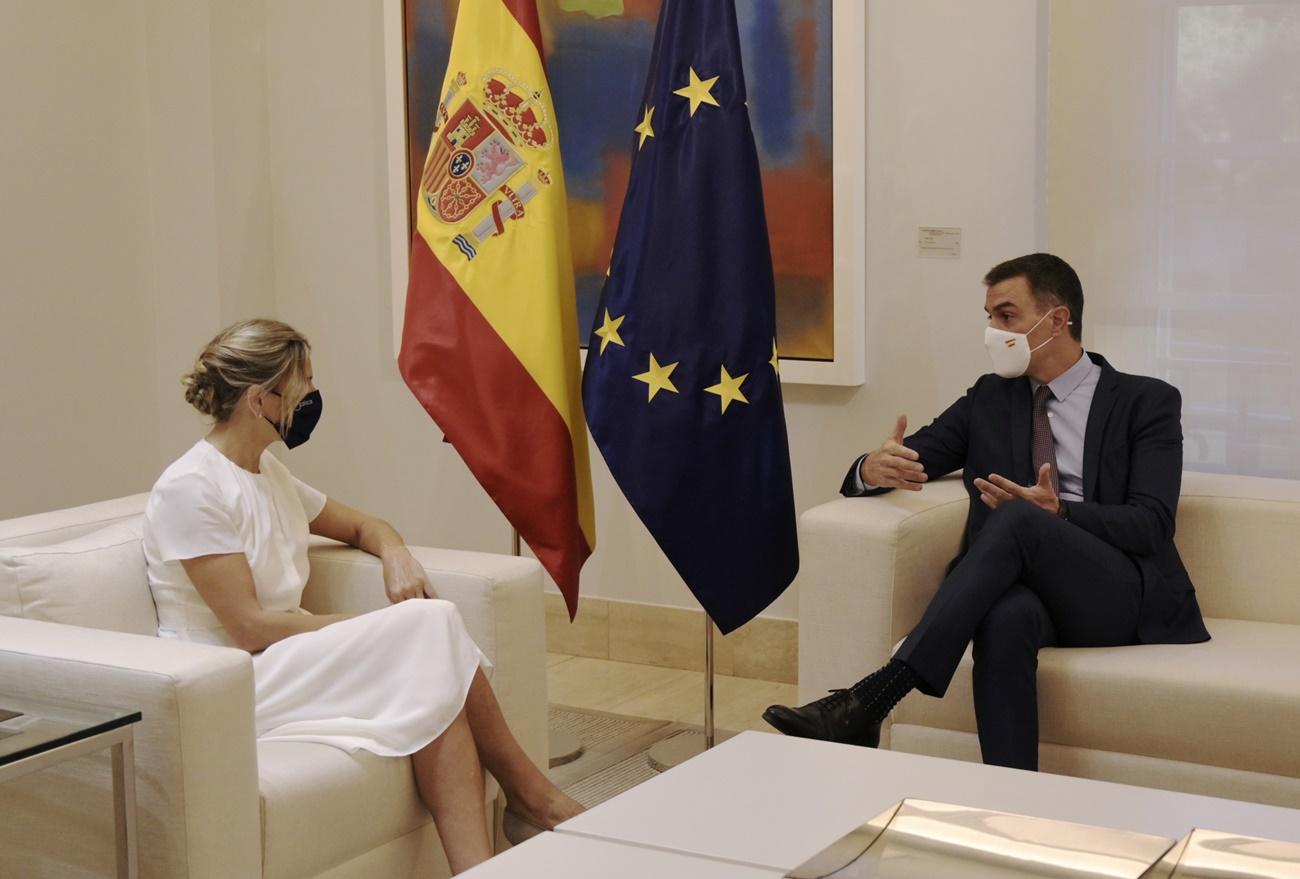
(598, 52)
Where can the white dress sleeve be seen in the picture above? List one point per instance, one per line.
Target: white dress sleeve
(313, 501)
(188, 519)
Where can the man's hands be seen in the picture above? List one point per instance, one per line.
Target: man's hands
(894, 465)
(998, 490)
(404, 577)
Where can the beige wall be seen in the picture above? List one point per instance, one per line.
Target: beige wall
(76, 343)
(289, 157)
(212, 241)
(135, 193)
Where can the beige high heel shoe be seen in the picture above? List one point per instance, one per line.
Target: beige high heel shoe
(517, 828)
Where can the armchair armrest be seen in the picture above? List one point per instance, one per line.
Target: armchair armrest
(868, 568)
(499, 597)
(195, 754)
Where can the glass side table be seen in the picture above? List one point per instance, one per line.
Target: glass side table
(35, 734)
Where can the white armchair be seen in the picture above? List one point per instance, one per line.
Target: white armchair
(1217, 718)
(76, 623)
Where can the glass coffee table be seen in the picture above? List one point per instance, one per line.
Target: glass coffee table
(36, 734)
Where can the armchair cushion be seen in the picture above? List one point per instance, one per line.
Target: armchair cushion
(321, 806)
(1230, 702)
(96, 580)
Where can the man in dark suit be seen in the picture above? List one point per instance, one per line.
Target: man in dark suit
(1073, 470)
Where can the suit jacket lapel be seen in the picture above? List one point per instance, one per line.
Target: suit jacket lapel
(1022, 413)
(1103, 399)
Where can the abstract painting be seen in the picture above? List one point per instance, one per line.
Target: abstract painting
(598, 52)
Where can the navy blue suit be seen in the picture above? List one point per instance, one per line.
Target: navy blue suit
(1027, 579)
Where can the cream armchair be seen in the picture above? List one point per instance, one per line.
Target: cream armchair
(1219, 718)
(77, 622)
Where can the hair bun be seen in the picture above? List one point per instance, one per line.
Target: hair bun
(200, 392)
(251, 352)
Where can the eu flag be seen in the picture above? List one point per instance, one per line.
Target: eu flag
(682, 384)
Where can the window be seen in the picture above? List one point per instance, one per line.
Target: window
(1174, 188)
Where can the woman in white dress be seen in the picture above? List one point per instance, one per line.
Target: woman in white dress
(226, 531)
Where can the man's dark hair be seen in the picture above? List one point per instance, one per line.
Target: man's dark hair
(1050, 279)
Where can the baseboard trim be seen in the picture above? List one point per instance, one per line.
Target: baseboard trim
(766, 649)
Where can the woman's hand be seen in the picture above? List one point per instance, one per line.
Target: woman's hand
(404, 577)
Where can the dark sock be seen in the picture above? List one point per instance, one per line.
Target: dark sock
(881, 690)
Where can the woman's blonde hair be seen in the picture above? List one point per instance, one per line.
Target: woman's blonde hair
(252, 352)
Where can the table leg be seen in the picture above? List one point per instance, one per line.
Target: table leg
(124, 807)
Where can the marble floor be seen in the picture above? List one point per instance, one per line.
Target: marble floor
(661, 693)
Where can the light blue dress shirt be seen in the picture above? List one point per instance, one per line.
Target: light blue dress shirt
(1067, 411)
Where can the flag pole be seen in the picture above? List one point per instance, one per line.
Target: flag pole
(708, 682)
(679, 748)
(564, 746)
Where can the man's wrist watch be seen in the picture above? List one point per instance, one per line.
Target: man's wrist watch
(1062, 509)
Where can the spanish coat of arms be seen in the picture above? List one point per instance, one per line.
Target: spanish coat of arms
(478, 153)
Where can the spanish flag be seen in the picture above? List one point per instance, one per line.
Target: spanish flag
(490, 339)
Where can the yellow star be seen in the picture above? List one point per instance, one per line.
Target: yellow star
(776, 360)
(609, 331)
(698, 91)
(644, 128)
(657, 378)
(728, 389)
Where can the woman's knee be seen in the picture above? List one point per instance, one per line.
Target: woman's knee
(437, 610)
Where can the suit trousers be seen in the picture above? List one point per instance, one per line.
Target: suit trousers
(1028, 580)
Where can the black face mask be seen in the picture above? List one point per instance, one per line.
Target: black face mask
(305, 418)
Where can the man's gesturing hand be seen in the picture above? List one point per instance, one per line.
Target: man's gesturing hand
(998, 490)
(894, 465)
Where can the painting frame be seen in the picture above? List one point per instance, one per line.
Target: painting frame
(847, 368)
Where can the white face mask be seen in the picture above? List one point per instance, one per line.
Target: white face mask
(1010, 351)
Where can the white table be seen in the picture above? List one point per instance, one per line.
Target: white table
(578, 857)
(772, 801)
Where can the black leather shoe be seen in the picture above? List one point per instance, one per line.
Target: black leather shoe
(838, 717)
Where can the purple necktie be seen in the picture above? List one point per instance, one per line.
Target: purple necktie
(1044, 447)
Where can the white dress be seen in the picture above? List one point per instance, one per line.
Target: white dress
(389, 681)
